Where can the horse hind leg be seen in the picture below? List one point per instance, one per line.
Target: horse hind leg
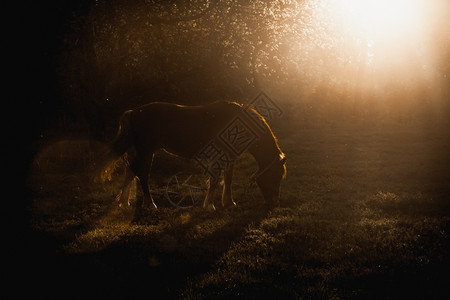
(124, 197)
(227, 197)
(141, 167)
(208, 203)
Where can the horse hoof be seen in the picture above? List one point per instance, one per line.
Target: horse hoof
(231, 205)
(150, 206)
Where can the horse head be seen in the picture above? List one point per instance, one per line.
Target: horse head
(269, 179)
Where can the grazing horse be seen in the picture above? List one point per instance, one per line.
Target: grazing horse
(186, 131)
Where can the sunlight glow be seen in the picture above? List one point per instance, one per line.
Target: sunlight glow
(383, 18)
(388, 31)
(382, 44)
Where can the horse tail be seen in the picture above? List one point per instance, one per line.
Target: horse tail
(124, 137)
(117, 148)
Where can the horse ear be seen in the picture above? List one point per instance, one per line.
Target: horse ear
(282, 158)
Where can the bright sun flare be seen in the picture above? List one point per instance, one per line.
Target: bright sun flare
(384, 43)
(383, 19)
(389, 32)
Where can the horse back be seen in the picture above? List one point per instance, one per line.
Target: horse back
(179, 129)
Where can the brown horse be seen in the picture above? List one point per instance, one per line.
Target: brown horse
(190, 132)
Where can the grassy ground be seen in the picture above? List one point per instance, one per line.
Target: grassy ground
(364, 214)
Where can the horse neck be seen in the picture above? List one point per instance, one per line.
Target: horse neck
(265, 150)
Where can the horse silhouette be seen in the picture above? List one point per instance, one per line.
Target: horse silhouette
(218, 132)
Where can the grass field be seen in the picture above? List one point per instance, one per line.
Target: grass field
(364, 213)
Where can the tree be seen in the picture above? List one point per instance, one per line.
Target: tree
(125, 53)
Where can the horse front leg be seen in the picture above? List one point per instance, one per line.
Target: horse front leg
(227, 197)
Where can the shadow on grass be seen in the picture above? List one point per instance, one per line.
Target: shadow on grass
(81, 243)
(120, 258)
(367, 217)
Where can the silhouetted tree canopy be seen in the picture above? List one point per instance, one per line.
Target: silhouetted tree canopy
(124, 53)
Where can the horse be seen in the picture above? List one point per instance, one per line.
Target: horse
(194, 132)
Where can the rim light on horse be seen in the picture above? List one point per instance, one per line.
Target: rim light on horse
(186, 130)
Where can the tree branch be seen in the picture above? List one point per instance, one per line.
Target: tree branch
(174, 20)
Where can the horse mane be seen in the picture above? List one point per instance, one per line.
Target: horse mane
(269, 136)
(263, 121)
